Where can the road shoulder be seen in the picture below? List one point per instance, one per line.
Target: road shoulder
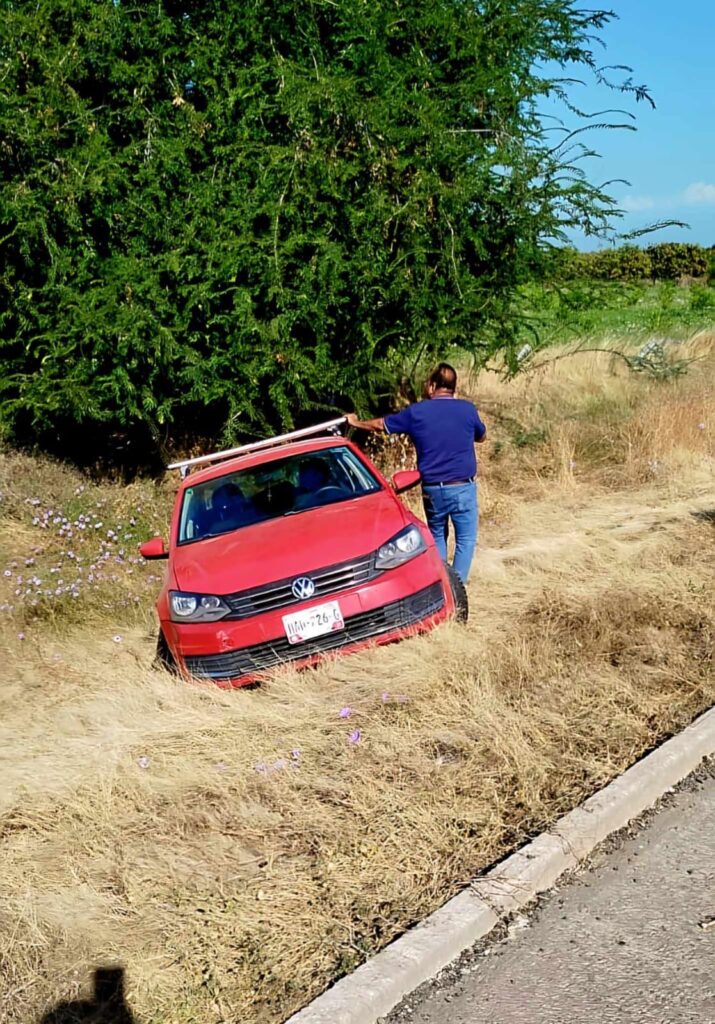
(625, 937)
(378, 986)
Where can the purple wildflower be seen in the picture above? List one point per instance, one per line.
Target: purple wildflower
(355, 736)
(346, 712)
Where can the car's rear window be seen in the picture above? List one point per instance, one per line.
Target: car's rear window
(279, 488)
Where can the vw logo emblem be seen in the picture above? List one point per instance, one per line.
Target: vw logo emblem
(303, 588)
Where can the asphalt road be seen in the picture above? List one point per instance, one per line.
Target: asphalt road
(618, 943)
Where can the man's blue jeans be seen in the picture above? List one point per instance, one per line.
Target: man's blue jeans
(457, 502)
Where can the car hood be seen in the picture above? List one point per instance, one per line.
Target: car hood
(288, 546)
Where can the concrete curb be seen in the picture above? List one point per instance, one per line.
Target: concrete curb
(377, 986)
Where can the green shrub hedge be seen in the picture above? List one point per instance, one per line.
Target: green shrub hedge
(663, 261)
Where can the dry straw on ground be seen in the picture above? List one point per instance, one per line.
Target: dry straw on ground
(235, 852)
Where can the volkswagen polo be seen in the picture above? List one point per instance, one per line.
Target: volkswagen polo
(287, 550)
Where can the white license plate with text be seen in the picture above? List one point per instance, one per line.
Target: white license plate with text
(304, 625)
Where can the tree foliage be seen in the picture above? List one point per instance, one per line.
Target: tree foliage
(626, 263)
(673, 260)
(221, 216)
(664, 261)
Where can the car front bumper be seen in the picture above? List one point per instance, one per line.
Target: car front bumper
(399, 602)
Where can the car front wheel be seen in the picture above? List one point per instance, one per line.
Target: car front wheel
(163, 657)
(459, 593)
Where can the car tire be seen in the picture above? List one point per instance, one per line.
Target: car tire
(459, 594)
(163, 657)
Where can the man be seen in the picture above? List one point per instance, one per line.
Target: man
(231, 509)
(313, 477)
(313, 474)
(443, 430)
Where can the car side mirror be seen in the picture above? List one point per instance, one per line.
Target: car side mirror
(153, 548)
(404, 479)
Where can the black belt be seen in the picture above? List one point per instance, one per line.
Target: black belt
(448, 483)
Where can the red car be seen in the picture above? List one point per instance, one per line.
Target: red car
(285, 553)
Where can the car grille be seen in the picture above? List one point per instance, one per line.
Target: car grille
(279, 594)
(249, 660)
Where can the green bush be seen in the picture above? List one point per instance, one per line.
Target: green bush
(702, 299)
(627, 263)
(673, 260)
(633, 264)
(711, 264)
(665, 261)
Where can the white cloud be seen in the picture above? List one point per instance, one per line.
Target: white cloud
(699, 192)
(634, 204)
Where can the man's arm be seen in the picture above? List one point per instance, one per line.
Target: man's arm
(480, 431)
(378, 424)
(394, 423)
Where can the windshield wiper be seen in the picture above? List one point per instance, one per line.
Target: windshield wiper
(216, 533)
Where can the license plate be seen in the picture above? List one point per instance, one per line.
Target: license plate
(323, 618)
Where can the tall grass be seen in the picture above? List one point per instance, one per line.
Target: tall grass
(236, 852)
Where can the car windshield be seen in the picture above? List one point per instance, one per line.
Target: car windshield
(279, 488)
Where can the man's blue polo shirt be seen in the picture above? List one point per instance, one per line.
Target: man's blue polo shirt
(443, 431)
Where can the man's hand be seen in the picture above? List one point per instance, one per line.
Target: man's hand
(359, 424)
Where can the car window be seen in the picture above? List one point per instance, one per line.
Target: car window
(279, 488)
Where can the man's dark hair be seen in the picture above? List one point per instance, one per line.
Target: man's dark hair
(227, 492)
(314, 464)
(444, 376)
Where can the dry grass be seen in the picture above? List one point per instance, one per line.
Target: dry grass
(257, 854)
(586, 417)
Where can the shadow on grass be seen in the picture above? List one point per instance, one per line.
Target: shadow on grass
(107, 1005)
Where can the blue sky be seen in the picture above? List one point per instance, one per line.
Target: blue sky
(670, 160)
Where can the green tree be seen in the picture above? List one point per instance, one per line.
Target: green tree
(673, 260)
(222, 216)
(626, 263)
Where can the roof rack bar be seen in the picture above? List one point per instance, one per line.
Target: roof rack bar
(319, 428)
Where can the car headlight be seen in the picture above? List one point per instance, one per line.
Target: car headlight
(401, 548)
(196, 607)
